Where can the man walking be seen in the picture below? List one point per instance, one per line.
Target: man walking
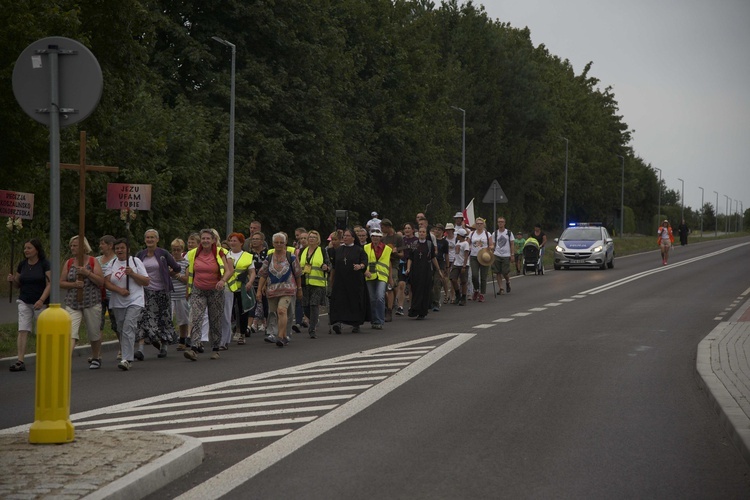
(503, 247)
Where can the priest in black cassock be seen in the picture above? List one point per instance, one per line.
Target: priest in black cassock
(420, 262)
(349, 301)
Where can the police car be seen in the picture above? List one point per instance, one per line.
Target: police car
(584, 244)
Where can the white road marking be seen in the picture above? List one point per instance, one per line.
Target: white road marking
(503, 320)
(538, 309)
(248, 435)
(484, 325)
(239, 425)
(238, 474)
(578, 296)
(553, 304)
(521, 314)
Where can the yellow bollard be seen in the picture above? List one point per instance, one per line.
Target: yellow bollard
(52, 412)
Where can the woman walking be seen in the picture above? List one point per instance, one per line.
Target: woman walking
(83, 300)
(349, 304)
(244, 276)
(315, 265)
(156, 326)
(32, 277)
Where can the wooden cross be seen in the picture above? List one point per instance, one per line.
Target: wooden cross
(82, 169)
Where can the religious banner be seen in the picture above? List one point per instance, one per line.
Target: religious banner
(129, 196)
(17, 205)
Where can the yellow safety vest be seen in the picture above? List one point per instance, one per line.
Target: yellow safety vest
(381, 265)
(243, 263)
(191, 265)
(315, 276)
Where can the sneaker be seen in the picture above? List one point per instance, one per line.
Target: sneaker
(462, 302)
(215, 355)
(507, 287)
(481, 297)
(304, 324)
(262, 329)
(119, 355)
(475, 296)
(269, 338)
(282, 342)
(420, 317)
(436, 309)
(296, 328)
(124, 365)
(162, 352)
(191, 355)
(355, 329)
(400, 311)
(313, 335)
(337, 328)
(377, 326)
(95, 364)
(138, 355)
(199, 349)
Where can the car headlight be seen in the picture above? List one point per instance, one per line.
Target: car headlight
(560, 249)
(597, 248)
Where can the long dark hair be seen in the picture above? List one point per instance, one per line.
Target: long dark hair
(38, 246)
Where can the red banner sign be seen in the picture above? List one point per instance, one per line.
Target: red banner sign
(15, 204)
(129, 196)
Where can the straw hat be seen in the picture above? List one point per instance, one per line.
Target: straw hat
(485, 257)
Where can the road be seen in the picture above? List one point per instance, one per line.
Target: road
(579, 384)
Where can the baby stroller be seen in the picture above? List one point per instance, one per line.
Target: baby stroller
(532, 257)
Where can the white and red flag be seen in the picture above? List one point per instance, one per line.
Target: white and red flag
(469, 218)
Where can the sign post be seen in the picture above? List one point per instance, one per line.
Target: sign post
(495, 195)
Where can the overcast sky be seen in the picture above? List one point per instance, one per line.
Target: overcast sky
(680, 71)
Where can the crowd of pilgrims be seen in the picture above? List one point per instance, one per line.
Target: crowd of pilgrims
(205, 293)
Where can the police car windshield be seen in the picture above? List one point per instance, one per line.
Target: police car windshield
(582, 234)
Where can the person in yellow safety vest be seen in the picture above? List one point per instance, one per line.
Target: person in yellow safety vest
(208, 272)
(244, 273)
(315, 266)
(377, 276)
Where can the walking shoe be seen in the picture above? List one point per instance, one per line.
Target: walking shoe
(475, 296)
(138, 355)
(462, 302)
(262, 329)
(507, 287)
(191, 355)
(95, 364)
(312, 334)
(420, 317)
(377, 326)
(124, 365)
(199, 349)
(162, 352)
(18, 366)
(388, 315)
(481, 297)
(119, 355)
(355, 329)
(282, 342)
(337, 328)
(296, 328)
(400, 311)
(215, 355)
(436, 309)
(304, 324)
(269, 338)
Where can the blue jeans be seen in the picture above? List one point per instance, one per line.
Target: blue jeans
(376, 289)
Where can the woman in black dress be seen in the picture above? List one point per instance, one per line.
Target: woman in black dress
(349, 302)
(419, 266)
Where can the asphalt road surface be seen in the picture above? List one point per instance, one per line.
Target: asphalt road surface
(578, 384)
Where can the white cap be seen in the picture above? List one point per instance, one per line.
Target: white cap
(458, 215)
(460, 232)
(449, 226)
(376, 232)
(374, 214)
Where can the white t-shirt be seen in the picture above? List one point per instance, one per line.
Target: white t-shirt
(478, 241)
(373, 223)
(502, 243)
(451, 247)
(116, 272)
(460, 251)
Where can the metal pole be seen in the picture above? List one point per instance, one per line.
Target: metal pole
(726, 214)
(565, 189)
(701, 210)
(622, 196)
(463, 158)
(230, 166)
(682, 200)
(716, 215)
(54, 175)
(736, 216)
(658, 217)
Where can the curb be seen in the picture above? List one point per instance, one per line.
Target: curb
(155, 475)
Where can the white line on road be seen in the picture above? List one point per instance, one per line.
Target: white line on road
(484, 325)
(503, 320)
(238, 474)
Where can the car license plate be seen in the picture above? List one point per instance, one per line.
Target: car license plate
(577, 261)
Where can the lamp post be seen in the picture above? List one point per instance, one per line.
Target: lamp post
(726, 213)
(230, 168)
(622, 195)
(716, 215)
(701, 210)
(736, 216)
(658, 217)
(565, 192)
(463, 158)
(682, 201)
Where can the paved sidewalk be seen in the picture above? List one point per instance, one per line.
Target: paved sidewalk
(724, 368)
(98, 464)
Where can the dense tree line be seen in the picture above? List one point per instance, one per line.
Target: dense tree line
(339, 105)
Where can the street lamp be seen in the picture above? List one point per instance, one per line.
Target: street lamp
(726, 213)
(658, 217)
(736, 216)
(565, 192)
(682, 200)
(622, 198)
(230, 168)
(701, 210)
(716, 215)
(463, 158)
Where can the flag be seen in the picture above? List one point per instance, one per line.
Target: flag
(469, 213)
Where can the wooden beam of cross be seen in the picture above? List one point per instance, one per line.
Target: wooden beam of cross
(82, 169)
